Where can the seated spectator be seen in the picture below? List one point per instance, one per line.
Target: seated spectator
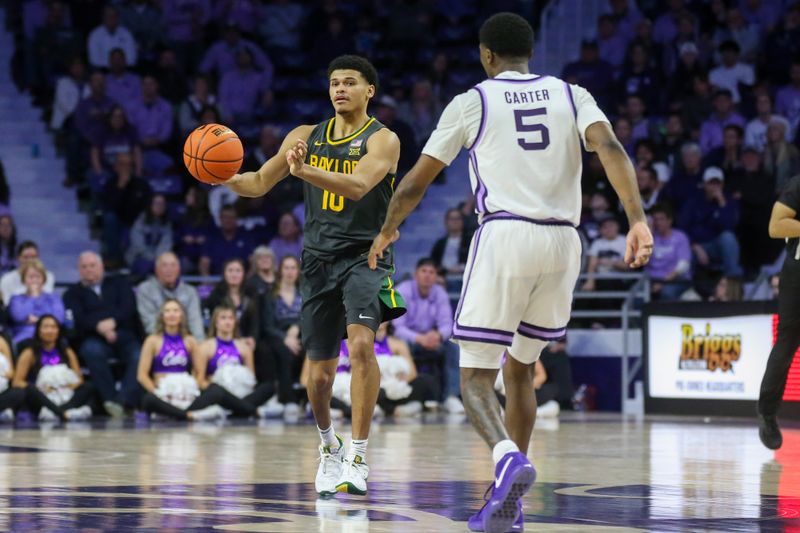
(281, 352)
(166, 358)
(192, 228)
(8, 244)
(11, 282)
(727, 290)
(450, 252)
(681, 83)
(646, 157)
(89, 120)
(781, 159)
(219, 197)
(624, 132)
(599, 210)
(189, 113)
(152, 116)
(285, 194)
(755, 133)
(106, 327)
(166, 283)
(118, 137)
(427, 326)
(289, 240)
(122, 86)
(125, 196)
(171, 77)
(10, 397)
(685, 181)
(610, 43)
(642, 127)
(261, 277)
(25, 309)
(738, 30)
(728, 157)
(386, 113)
(606, 254)
(281, 24)
(697, 107)
(670, 266)
(108, 36)
(666, 25)
(421, 111)
(591, 71)
(732, 73)
(242, 90)
(221, 56)
(710, 218)
(223, 348)
(724, 115)
(56, 43)
(403, 390)
(150, 236)
(48, 349)
(226, 242)
(143, 20)
(230, 292)
(674, 138)
(639, 77)
(70, 90)
(648, 186)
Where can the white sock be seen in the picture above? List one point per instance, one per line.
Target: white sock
(328, 437)
(358, 448)
(503, 447)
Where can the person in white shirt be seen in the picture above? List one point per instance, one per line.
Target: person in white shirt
(755, 134)
(731, 72)
(11, 282)
(70, 90)
(108, 36)
(524, 134)
(606, 254)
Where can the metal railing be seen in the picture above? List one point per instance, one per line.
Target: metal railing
(640, 290)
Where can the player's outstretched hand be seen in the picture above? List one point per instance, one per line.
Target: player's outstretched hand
(296, 157)
(638, 245)
(379, 245)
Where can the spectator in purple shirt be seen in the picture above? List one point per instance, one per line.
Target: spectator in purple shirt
(25, 309)
(225, 243)
(666, 25)
(192, 228)
(92, 112)
(122, 86)
(427, 326)
(118, 137)
(143, 20)
(611, 44)
(221, 57)
(242, 90)
(670, 265)
(762, 13)
(711, 132)
(152, 116)
(639, 77)
(782, 46)
(184, 19)
(710, 219)
(289, 240)
(626, 15)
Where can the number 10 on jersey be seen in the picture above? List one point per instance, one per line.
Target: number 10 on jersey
(333, 202)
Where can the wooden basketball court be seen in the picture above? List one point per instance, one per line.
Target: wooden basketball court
(597, 472)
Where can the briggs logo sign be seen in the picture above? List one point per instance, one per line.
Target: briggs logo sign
(704, 351)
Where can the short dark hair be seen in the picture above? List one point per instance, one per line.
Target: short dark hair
(24, 245)
(664, 209)
(735, 127)
(357, 63)
(507, 35)
(426, 261)
(729, 46)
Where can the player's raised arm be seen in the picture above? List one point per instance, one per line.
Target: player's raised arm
(260, 182)
(601, 139)
(383, 152)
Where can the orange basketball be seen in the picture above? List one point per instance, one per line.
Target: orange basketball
(213, 153)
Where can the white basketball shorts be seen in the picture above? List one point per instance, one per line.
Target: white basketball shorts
(517, 290)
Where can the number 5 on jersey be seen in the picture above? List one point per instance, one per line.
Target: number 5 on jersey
(333, 202)
(522, 127)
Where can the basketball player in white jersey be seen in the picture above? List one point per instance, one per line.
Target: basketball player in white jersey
(523, 132)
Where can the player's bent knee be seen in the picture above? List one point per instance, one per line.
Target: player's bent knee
(321, 377)
(480, 355)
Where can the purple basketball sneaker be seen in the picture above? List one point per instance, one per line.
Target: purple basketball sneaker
(501, 513)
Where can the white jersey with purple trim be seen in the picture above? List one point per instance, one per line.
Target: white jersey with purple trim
(523, 132)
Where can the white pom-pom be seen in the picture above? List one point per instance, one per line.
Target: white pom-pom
(341, 387)
(237, 379)
(179, 389)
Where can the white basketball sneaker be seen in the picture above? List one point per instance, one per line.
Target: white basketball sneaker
(330, 468)
(354, 477)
